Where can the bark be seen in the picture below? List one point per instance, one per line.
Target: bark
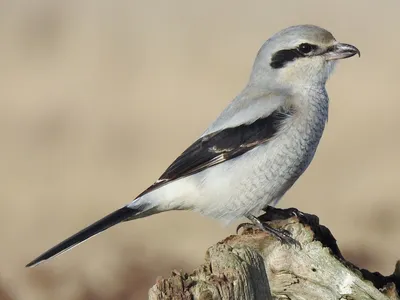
(255, 265)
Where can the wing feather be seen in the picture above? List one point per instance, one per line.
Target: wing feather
(223, 145)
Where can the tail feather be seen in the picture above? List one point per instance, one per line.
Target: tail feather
(108, 221)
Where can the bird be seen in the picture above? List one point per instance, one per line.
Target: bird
(256, 149)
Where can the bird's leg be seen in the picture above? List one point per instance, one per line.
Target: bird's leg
(282, 235)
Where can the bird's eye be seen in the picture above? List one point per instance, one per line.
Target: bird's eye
(306, 48)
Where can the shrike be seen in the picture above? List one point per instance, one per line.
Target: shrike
(256, 149)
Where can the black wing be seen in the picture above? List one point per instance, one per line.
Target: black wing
(220, 146)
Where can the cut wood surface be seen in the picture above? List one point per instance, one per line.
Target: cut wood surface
(255, 265)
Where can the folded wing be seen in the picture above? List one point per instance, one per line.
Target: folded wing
(223, 145)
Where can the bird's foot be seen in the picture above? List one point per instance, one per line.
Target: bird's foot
(284, 236)
(265, 228)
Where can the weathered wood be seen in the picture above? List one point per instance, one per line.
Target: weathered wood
(254, 265)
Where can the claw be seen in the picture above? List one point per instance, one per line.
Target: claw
(245, 226)
(295, 212)
(282, 235)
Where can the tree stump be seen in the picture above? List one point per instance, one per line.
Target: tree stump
(255, 265)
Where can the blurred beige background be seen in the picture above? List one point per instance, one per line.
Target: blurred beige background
(98, 97)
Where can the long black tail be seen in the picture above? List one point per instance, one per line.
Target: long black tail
(108, 221)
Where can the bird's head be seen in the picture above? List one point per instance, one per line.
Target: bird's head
(298, 57)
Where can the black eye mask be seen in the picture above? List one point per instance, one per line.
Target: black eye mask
(282, 57)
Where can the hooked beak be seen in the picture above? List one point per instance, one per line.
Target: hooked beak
(340, 51)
